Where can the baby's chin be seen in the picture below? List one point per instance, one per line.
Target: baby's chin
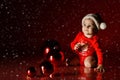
(88, 35)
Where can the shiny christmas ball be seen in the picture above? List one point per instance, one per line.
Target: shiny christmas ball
(31, 72)
(46, 68)
(50, 45)
(55, 57)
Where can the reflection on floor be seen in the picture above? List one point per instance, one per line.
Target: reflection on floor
(78, 73)
(14, 72)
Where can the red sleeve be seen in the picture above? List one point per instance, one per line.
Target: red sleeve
(98, 52)
(75, 40)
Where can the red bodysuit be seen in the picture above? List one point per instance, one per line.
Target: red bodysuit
(89, 47)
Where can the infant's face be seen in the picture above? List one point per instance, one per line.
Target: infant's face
(88, 28)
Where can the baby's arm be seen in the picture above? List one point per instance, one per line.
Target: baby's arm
(99, 53)
(73, 43)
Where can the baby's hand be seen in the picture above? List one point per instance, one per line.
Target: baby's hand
(81, 47)
(100, 68)
(77, 46)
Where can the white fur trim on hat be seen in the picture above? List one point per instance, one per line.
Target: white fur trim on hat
(99, 25)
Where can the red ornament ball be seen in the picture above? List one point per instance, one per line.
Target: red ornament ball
(46, 68)
(55, 56)
(50, 45)
(31, 72)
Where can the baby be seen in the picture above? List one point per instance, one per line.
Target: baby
(86, 43)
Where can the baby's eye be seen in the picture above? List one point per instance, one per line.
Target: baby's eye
(88, 26)
(91, 26)
(84, 24)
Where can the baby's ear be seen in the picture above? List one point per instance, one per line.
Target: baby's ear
(95, 30)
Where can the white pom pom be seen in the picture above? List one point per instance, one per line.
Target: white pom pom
(103, 26)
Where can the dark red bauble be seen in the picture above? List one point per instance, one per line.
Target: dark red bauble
(46, 68)
(31, 72)
(50, 45)
(55, 57)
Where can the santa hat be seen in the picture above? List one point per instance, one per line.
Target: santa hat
(97, 20)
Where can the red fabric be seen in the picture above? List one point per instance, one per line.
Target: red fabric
(93, 47)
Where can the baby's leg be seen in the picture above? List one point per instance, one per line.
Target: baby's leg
(90, 62)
